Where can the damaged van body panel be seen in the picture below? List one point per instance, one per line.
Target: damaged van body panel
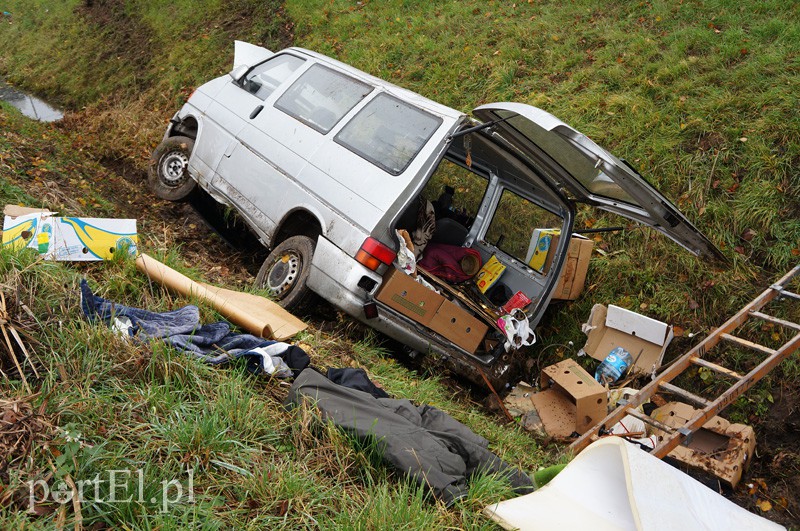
(325, 163)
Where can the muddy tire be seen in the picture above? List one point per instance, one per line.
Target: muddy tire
(285, 272)
(167, 173)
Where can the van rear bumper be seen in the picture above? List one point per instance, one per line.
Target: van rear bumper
(335, 276)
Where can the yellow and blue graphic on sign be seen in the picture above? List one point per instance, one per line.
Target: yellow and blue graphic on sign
(20, 233)
(101, 242)
(71, 238)
(540, 247)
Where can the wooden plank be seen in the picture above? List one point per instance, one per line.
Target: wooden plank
(775, 320)
(748, 344)
(650, 420)
(717, 368)
(684, 394)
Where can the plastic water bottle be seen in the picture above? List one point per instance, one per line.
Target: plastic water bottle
(614, 366)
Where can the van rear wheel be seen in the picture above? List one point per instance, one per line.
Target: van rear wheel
(285, 272)
(167, 173)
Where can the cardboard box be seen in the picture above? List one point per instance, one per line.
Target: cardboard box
(646, 339)
(573, 275)
(539, 248)
(68, 238)
(409, 297)
(459, 326)
(719, 448)
(570, 401)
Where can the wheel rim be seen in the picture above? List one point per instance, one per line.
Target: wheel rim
(283, 273)
(173, 168)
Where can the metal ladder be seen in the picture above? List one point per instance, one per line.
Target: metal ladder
(708, 408)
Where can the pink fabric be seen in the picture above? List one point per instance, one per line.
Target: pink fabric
(443, 260)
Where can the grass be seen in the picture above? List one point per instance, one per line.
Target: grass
(700, 96)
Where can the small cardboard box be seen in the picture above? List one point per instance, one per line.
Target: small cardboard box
(459, 326)
(539, 248)
(68, 238)
(489, 274)
(573, 275)
(718, 448)
(412, 299)
(609, 327)
(570, 400)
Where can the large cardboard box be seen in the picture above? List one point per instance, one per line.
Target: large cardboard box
(610, 327)
(409, 297)
(573, 275)
(459, 326)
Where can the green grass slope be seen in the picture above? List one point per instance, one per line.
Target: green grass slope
(701, 97)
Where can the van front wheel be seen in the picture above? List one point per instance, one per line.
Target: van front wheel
(285, 272)
(167, 174)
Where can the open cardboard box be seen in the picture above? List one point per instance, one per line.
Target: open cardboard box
(571, 401)
(609, 327)
(719, 448)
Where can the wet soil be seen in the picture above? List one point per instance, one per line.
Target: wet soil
(774, 473)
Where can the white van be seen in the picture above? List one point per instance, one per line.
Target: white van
(324, 162)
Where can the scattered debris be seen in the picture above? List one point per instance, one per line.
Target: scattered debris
(570, 401)
(21, 428)
(9, 331)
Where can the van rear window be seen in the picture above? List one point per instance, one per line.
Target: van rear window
(321, 97)
(388, 133)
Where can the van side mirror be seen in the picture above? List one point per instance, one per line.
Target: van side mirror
(238, 72)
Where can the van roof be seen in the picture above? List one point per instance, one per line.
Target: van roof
(401, 93)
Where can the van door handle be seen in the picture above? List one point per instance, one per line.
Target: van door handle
(256, 111)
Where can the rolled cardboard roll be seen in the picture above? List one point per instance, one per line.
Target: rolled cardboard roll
(258, 315)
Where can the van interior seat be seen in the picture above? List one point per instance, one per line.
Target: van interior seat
(449, 231)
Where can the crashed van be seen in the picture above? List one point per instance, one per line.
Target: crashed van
(325, 163)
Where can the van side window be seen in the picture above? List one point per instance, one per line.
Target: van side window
(514, 222)
(262, 80)
(321, 97)
(388, 133)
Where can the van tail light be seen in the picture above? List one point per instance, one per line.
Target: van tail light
(373, 253)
